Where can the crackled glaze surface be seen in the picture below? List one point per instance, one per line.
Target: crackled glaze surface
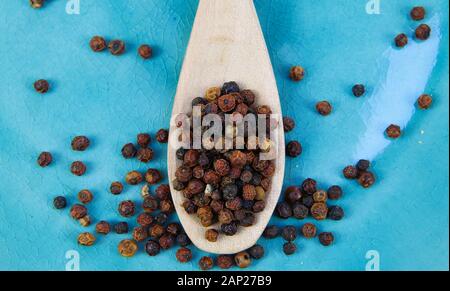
(404, 217)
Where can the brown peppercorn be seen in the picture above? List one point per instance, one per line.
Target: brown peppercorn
(292, 194)
(191, 158)
(184, 174)
(36, 3)
(133, 178)
(78, 168)
(326, 238)
(320, 196)
(103, 227)
(334, 192)
(324, 108)
(227, 103)
(166, 206)
(80, 143)
(143, 140)
(145, 51)
(297, 73)
(85, 221)
(423, 32)
(205, 215)
(288, 124)
(224, 261)
(424, 101)
(184, 255)
(128, 151)
(309, 186)
(128, 248)
(309, 230)
(85, 196)
(393, 131)
(156, 231)
(162, 136)
(127, 208)
(242, 109)
(350, 172)
(238, 159)
(116, 188)
(144, 155)
(153, 176)
(249, 192)
(206, 263)
(116, 47)
(166, 241)
(366, 179)
(294, 149)
(140, 233)
(44, 159)
(225, 216)
(418, 13)
(234, 204)
(174, 228)
(401, 40)
(78, 211)
(144, 219)
(212, 94)
(242, 260)
(41, 86)
(222, 167)
(86, 239)
(319, 211)
(97, 44)
(211, 235)
(163, 192)
(150, 204)
(198, 172)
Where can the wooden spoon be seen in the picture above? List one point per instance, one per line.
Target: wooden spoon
(227, 44)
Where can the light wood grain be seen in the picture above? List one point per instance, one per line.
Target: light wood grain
(227, 44)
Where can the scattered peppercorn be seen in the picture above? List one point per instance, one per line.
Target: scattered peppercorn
(121, 227)
(85, 196)
(129, 151)
(211, 235)
(80, 143)
(144, 219)
(326, 238)
(78, 168)
(184, 255)
(145, 51)
(401, 40)
(350, 172)
(242, 260)
(425, 101)
(156, 231)
(44, 159)
(393, 131)
(127, 208)
(103, 227)
(36, 3)
(116, 47)
(335, 213)
(128, 248)
(86, 239)
(140, 233)
(60, 202)
(162, 136)
(324, 108)
(153, 176)
(97, 44)
(78, 211)
(133, 178)
(183, 240)
(418, 13)
(85, 221)
(319, 211)
(288, 124)
(206, 263)
(143, 140)
(144, 155)
(289, 248)
(271, 232)
(152, 248)
(309, 230)
(284, 210)
(366, 179)
(334, 192)
(358, 90)
(423, 32)
(294, 149)
(297, 73)
(363, 165)
(224, 261)
(289, 233)
(41, 86)
(300, 211)
(116, 188)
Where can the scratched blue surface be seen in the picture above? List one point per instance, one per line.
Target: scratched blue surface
(404, 218)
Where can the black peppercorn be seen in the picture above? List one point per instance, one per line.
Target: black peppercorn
(161, 218)
(300, 211)
(288, 124)
(162, 136)
(284, 210)
(289, 233)
(335, 213)
(358, 90)
(60, 202)
(363, 165)
(129, 151)
(41, 86)
(183, 240)
(294, 149)
(256, 252)
(152, 248)
(289, 248)
(229, 229)
(334, 192)
(127, 208)
(326, 238)
(230, 87)
(271, 232)
(121, 227)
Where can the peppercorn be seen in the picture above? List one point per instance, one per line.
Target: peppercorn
(163, 192)
(166, 241)
(44, 159)
(36, 3)
(145, 51)
(227, 103)
(211, 235)
(242, 260)
(103, 227)
(256, 252)
(366, 179)
(133, 178)
(152, 248)
(144, 155)
(324, 108)
(292, 194)
(308, 201)
(294, 149)
(230, 87)
(289, 233)
(184, 255)
(288, 124)
(97, 44)
(205, 215)
(238, 159)
(358, 90)
(206, 263)
(260, 193)
(78, 211)
(224, 261)
(271, 232)
(129, 151)
(248, 219)
(116, 188)
(212, 94)
(140, 233)
(309, 186)
(297, 73)
(222, 167)
(289, 248)
(144, 219)
(162, 136)
(161, 218)
(86, 239)
(229, 229)
(320, 196)
(195, 187)
(78, 168)
(225, 216)
(424, 101)
(300, 211)
(189, 207)
(259, 206)
(319, 211)
(326, 238)
(80, 143)
(183, 240)
(85, 196)
(156, 231)
(128, 248)
(59, 202)
(41, 86)
(335, 213)
(284, 210)
(127, 208)
(309, 230)
(249, 192)
(423, 32)
(116, 47)
(153, 176)
(363, 165)
(184, 174)
(85, 221)
(174, 228)
(150, 204)
(418, 13)
(191, 158)
(234, 204)
(334, 192)
(401, 40)
(121, 227)
(393, 131)
(350, 172)
(248, 97)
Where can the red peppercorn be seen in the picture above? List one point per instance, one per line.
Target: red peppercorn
(350, 172)
(393, 131)
(423, 32)
(80, 143)
(116, 188)
(309, 230)
(85, 196)
(206, 263)
(97, 44)
(153, 176)
(418, 13)
(127, 208)
(103, 227)
(144, 155)
(297, 73)
(326, 238)
(41, 86)
(225, 261)
(425, 101)
(44, 159)
(144, 219)
(366, 179)
(294, 149)
(324, 108)
(145, 51)
(116, 47)
(162, 136)
(288, 124)
(184, 255)
(78, 211)
(401, 40)
(78, 168)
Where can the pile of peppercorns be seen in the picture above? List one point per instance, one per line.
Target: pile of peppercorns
(422, 32)
(361, 173)
(117, 47)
